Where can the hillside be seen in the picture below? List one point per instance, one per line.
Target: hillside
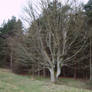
(10, 82)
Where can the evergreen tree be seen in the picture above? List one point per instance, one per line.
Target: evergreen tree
(9, 31)
(88, 11)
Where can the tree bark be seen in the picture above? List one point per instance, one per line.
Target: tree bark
(11, 61)
(58, 70)
(90, 61)
(52, 75)
(75, 71)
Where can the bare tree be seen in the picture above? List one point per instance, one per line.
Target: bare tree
(56, 36)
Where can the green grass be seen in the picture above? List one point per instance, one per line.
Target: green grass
(10, 82)
(75, 83)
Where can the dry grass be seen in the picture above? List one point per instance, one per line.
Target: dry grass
(10, 82)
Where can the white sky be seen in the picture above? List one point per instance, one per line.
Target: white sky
(10, 8)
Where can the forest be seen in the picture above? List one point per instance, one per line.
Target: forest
(56, 44)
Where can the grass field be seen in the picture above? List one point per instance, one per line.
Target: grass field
(10, 82)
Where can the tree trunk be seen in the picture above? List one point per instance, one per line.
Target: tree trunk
(58, 70)
(52, 75)
(38, 71)
(11, 61)
(75, 72)
(44, 72)
(90, 61)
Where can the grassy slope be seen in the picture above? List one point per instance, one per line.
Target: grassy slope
(10, 82)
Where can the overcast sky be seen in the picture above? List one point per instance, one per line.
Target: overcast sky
(10, 8)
